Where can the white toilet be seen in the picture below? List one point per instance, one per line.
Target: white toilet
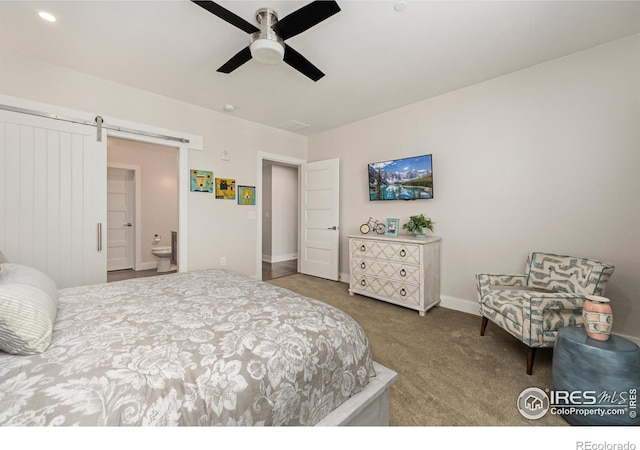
(164, 253)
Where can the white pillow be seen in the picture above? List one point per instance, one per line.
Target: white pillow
(28, 307)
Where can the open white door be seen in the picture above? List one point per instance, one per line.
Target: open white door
(319, 218)
(120, 218)
(53, 178)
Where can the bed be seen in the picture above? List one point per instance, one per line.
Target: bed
(209, 347)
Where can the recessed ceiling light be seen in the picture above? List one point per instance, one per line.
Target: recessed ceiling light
(47, 16)
(229, 108)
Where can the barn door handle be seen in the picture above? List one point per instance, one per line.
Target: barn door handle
(99, 236)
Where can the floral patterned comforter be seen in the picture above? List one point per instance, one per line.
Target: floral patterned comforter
(198, 348)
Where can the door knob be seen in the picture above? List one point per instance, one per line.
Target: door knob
(128, 225)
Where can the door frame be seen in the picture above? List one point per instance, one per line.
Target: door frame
(183, 190)
(137, 203)
(275, 158)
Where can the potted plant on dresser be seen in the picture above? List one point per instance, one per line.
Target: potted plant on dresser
(419, 225)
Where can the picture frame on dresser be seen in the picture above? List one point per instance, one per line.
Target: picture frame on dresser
(391, 227)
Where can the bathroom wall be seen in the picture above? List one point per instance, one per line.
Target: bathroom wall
(267, 213)
(279, 212)
(159, 190)
(284, 206)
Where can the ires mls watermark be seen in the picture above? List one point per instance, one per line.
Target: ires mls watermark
(534, 403)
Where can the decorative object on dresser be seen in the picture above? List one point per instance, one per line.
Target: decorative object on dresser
(419, 225)
(400, 270)
(392, 226)
(549, 295)
(372, 225)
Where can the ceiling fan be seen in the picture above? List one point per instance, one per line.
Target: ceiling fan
(267, 40)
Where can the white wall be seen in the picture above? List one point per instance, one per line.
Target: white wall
(159, 185)
(543, 159)
(216, 227)
(284, 207)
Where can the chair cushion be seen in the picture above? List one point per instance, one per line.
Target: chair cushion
(28, 307)
(561, 273)
(506, 302)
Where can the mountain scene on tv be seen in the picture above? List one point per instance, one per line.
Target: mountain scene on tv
(401, 179)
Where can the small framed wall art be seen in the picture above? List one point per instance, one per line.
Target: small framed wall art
(391, 228)
(201, 181)
(225, 188)
(246, 195)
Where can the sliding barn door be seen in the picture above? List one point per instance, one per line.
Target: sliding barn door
(53, 197)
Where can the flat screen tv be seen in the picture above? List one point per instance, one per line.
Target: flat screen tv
(401, 179)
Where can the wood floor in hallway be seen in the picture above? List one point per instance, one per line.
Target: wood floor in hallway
(271, 271)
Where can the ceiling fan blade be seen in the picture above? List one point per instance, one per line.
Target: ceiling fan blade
(236, 61)
(305, 18)
(301, 64)
(227, 16)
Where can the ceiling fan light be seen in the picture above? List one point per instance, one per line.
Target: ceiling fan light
(267, 51)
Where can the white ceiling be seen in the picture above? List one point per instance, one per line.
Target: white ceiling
(375, 59)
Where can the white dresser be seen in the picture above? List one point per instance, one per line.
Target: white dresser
(403, 270)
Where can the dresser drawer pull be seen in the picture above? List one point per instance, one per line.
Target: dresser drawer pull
(403, 292)
(363, 248)
(403, 253)
(403, 273)
(363, 282)
(363, 265)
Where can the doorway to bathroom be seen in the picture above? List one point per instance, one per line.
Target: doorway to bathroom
(279, 219)
(142, 208)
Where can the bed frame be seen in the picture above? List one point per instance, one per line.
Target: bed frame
(368, 407)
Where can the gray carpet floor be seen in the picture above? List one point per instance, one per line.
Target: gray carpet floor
(449, 375)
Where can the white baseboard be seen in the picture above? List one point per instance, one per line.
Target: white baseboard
(633, 339)
(147, 265)
(471, 307)
(460, 304)
(281, 258)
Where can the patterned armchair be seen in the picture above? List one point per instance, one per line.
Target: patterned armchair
(548, 296)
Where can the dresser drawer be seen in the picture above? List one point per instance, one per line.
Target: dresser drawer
(404, 273)
(407, 253)
(404, 293)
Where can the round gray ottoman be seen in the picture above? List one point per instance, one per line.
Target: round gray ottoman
(595, 382)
